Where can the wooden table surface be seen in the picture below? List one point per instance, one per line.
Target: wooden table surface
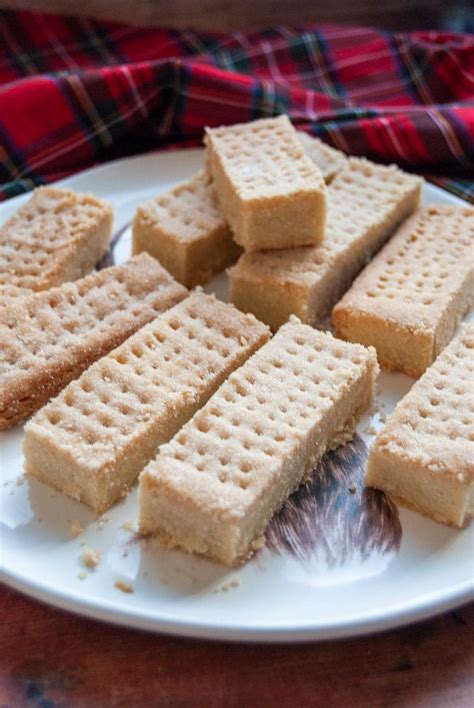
(223, 15)
(49, 658)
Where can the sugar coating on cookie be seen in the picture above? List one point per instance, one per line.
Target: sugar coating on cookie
(408, 302)
(271, 193)
(95, 437)
(49, 338)
(424, 457)
(213, 489)
(58, 235)
(185, 230)
(366, 203)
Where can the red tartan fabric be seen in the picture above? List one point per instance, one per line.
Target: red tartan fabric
(75, 92)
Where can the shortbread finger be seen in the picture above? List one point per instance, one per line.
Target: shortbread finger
(49, 338)
(424, 457)
(366, 203)
(95, 437)
(213, 489)
(270, 191)
(410, 299)
(185, 230)
(57, 236)
(329, 160)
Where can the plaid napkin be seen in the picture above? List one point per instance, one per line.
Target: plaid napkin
(76, 92)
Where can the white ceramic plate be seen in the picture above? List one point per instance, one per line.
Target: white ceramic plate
(336, 564)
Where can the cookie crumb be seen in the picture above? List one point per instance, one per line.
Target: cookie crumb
(90, 558)
(128, 525)
(353, 488)
(123, 586)
(227, 585)
(82, 575)
(75, 529)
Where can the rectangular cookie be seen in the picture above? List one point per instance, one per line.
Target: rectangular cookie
(366, 202)
(184, 229)
(57, 236)
(410, 299)
(424, 457)
(95, 437)
(270, 192)
(49, 338)
(329, 160)
(213, 489)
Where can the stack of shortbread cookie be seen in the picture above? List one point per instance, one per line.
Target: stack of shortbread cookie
(136, 377)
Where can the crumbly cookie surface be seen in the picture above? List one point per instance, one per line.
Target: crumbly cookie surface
(366, 202)
(58, 235)
(271, 193)
(185, 230)
(214, 487)
(49, 338)
(93, 439)
(409, 300)
(424, 457)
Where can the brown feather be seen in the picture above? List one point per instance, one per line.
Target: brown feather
(325, 516)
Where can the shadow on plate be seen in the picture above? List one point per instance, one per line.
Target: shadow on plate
(53, 512)
(185, 575)
(109, 259)
(334, 516)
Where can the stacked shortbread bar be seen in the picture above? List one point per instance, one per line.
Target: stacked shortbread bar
(409, 300)
(49, 338)
(329, 160)
(271, 193)
(263, 178)
(424, 457)
(366, 202)
(57, 236)
(185, 230)
(213, 489)
(95, 437)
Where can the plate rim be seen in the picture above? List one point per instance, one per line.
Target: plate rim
(118, 613)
